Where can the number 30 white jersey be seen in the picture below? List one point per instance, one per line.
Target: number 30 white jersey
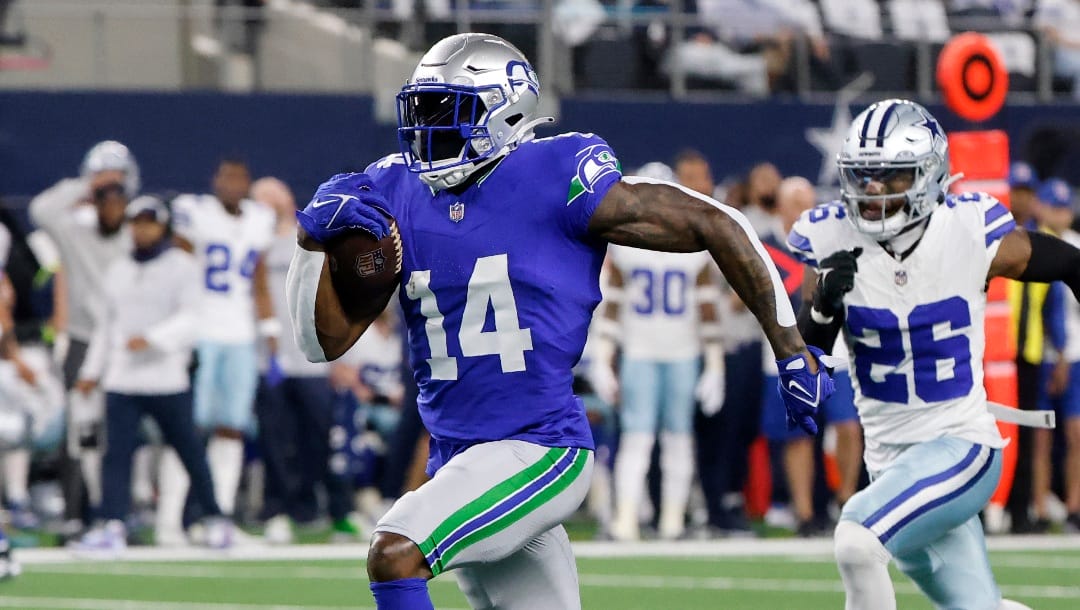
(659, 312)
(915, 326)
(227, 247)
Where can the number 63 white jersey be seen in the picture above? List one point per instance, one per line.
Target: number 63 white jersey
(914, 327)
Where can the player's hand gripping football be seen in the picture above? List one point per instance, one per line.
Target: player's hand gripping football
(803, 391)
(836, 277)
(345, 202)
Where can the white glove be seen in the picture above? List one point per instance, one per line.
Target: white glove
(711, 386)
(605, 383)
(710, 392)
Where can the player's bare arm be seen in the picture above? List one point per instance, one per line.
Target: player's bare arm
(183, 244)
(615, 284)
(822, 334)
(707, 293)
(335, 330)
(662, 217)
(1037, 257)
(332, 305)
(821, 312)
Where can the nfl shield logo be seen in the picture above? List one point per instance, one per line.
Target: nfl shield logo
(901, 277)
(370, 263)
(457, 212)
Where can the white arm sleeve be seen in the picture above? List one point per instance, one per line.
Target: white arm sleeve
(301, 286)
(50, 210)
(785, 315)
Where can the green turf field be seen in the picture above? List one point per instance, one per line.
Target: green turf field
(1043, 579)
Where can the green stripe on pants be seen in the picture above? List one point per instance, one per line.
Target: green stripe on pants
(545, 495)
(490, 498)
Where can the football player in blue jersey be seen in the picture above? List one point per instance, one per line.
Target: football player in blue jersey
(903, 269)
(503, 238)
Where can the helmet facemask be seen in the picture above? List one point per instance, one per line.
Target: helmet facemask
(894, 168)
(446, 126)
(472, 99)
(884, 199)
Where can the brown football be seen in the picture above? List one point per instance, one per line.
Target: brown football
(365, 271)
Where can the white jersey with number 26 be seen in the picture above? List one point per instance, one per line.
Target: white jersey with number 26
(227, 247)
(915, 326)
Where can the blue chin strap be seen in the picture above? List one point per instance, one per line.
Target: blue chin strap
(458, 136)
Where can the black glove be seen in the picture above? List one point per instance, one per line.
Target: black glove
(836, 277)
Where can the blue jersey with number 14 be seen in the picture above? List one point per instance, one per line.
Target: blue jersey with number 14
(499, 284)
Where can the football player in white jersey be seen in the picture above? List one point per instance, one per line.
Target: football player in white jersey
(902, 268)
(229, 235)
(661, 309)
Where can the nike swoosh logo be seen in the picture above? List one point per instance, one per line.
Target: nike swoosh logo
(794, 385)
(339, 199)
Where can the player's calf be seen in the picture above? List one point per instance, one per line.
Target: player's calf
(395, 557)
(864, 568)
(398, 573)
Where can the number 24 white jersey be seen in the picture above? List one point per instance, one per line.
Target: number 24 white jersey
(228, 247)
(914, 327)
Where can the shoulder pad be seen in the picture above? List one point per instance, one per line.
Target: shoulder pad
(985, 212)
(818, 232)
(385, 163)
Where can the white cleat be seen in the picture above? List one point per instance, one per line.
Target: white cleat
(278, 530)
(104, 541)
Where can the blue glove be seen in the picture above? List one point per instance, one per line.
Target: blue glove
(802, 391)
(274, 373)
(345, 202)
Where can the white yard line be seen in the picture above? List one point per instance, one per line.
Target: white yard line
(787, 547)
(788, 585)
(614, 581)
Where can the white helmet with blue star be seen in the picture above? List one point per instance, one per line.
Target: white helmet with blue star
(894, 167)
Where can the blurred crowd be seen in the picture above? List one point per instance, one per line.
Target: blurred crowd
(753, 47)
(152, 390)
(152, 386)
(759, 47)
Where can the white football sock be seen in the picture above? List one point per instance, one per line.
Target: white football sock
(226, 458)
(1008, 604)
(16, 474)
(90, 465)
(677, 473)
(864, 568)
(142, 484)
(631, 466)
(173, 483)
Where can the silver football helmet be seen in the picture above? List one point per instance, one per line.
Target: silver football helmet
(112, 155)
(894, 167)
(472, 99)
